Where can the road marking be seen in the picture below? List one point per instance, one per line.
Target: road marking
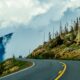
(18, 71)
(61, 72)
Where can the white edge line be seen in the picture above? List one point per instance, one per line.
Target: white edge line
(18, 71)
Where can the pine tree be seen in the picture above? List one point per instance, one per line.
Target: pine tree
(13, 56)
(73, 36)
(49, 36)
(72, 29)
(53, 32)
(78, 36)
(60, 28)
(44, 38)
(76, 25)
(66, 29)
(56, 34)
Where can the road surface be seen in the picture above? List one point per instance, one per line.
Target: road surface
(48, 70)
(43, 70)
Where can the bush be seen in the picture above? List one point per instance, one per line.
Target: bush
(1, 69)
(68, 43)
(68, 49)
(48, 55)
(59, 41)
(55, 42)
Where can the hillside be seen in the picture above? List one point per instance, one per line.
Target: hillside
(65, 45)
(12, 65)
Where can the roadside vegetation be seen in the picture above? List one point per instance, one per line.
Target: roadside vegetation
(12, 65)
(65, 44)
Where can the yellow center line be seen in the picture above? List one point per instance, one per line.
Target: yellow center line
(61, 72)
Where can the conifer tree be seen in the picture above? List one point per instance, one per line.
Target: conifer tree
(60, 28)
(72, 29)
(13, 56)
(78, 34)
(56, 34)
(76, 25)
(66, 29)
(49, 36)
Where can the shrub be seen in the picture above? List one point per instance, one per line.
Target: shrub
(59, 41)
(1, 69)
(68, 43)
(48, 55)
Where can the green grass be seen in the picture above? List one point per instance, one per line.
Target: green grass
(11, 64)
(75, 46)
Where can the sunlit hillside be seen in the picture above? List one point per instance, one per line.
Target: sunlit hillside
(65, 44)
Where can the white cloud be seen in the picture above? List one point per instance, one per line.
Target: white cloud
(20, 10)
(61, 6)
(74, 3)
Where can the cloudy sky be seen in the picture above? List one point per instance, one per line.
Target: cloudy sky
(23, 11)
(29, 19)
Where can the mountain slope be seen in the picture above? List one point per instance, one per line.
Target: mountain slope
(63, 46)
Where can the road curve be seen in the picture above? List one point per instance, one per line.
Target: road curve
(61, 72)
(72, 71)
(43, 70)
(48, 70)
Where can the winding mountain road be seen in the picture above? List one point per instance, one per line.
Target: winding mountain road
(48, 70)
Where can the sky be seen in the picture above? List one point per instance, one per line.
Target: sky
(23, 11)
(30, 19)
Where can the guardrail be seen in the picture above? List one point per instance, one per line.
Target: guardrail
(61, 72)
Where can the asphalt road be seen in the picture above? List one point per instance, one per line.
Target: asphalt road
(43, 70)
(73, 71)
(48, 70)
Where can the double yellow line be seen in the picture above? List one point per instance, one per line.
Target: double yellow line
(61, 72)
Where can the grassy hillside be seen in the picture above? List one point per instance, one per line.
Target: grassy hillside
(12, 65)
(65, 45)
